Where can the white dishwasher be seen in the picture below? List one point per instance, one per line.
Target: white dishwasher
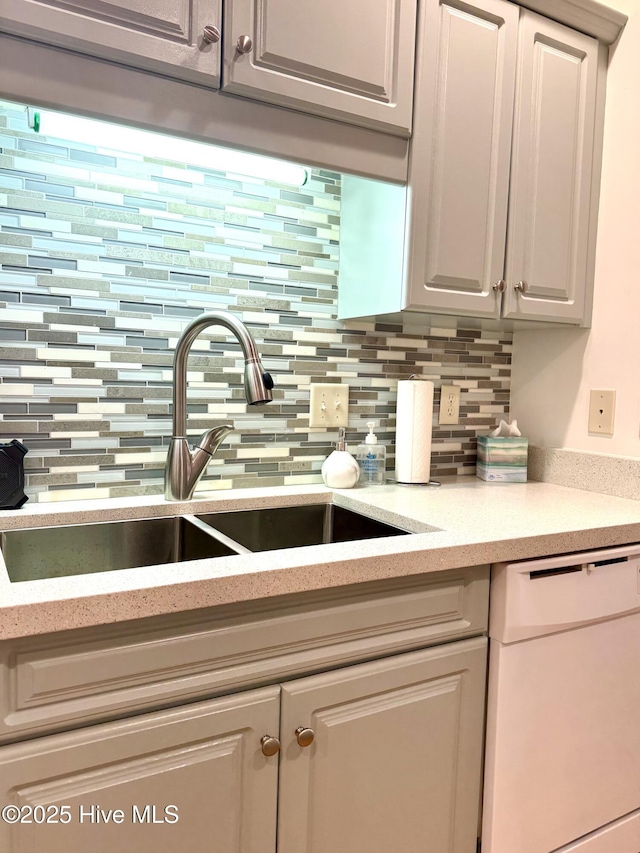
(562, 769)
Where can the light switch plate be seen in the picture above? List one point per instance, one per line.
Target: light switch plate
(602, 407)
(449, 404)
(329, 405)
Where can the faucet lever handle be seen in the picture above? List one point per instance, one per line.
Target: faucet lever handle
(210, 439)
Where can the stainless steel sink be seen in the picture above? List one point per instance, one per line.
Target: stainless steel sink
(81, 549)
(293, 526)
(52, 552)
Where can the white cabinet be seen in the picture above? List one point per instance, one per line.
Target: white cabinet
(498, 219)
(162, 36)
(350, 61)
(395, 763)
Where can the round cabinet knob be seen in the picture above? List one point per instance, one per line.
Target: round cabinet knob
(499, 286)
(305, 736)
(211, 35)
(244, 44)
(270, 745)
(521, 286)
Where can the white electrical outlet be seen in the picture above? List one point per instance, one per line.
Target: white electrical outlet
(602, 407)
(329, 405)
(449, 404)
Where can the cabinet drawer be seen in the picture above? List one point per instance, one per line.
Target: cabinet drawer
(56, 681)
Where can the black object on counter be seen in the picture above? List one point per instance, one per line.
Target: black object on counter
(12, 494)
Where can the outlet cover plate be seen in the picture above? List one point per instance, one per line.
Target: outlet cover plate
(602, 407)
(449, 404)
(328, 405)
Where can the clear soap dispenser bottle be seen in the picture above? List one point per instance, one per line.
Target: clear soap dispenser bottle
(372, 458)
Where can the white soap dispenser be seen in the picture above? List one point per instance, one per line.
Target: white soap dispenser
(340, 470)
(372, 458)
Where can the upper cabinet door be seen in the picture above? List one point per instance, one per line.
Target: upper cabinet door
(351, 61)
(552, 180)
(165, 36)
(459, 169)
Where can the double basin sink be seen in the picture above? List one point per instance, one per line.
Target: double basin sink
(51, 552)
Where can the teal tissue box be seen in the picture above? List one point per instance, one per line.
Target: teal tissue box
(502, 460)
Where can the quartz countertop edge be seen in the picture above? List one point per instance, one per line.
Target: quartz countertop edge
(464, 523)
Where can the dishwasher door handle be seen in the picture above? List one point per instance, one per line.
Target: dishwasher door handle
(552, 573)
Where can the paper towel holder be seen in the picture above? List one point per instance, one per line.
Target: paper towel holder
(422, 485)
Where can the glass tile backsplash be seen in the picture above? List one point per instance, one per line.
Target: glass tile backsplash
(105, 255)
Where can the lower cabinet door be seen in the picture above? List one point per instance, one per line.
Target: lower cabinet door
(191, 780)
(395, 761)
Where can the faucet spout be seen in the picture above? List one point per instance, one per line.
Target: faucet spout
(185, 467)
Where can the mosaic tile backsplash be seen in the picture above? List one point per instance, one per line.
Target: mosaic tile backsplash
(106, 255)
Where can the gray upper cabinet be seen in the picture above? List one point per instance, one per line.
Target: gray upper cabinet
(163, 36)
(498, 219)
(350, 61)
(551, 173)
(459, 170)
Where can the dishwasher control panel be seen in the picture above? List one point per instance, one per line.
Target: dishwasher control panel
(534, 598)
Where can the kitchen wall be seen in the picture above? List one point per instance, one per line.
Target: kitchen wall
(104, 257)
(554, 371)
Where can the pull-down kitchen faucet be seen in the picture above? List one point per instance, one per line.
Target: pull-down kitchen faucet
(184, 466)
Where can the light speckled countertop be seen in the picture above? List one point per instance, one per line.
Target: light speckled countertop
(477, 523)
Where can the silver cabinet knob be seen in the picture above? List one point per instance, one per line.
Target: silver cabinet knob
(305, 736)
(521, 286)
(499, 286)
(211, 35)
(270, 745)
(244, 44)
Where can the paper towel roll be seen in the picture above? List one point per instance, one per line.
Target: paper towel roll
(413, 431)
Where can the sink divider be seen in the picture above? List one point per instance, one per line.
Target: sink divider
(216, 534)
(327, 523)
